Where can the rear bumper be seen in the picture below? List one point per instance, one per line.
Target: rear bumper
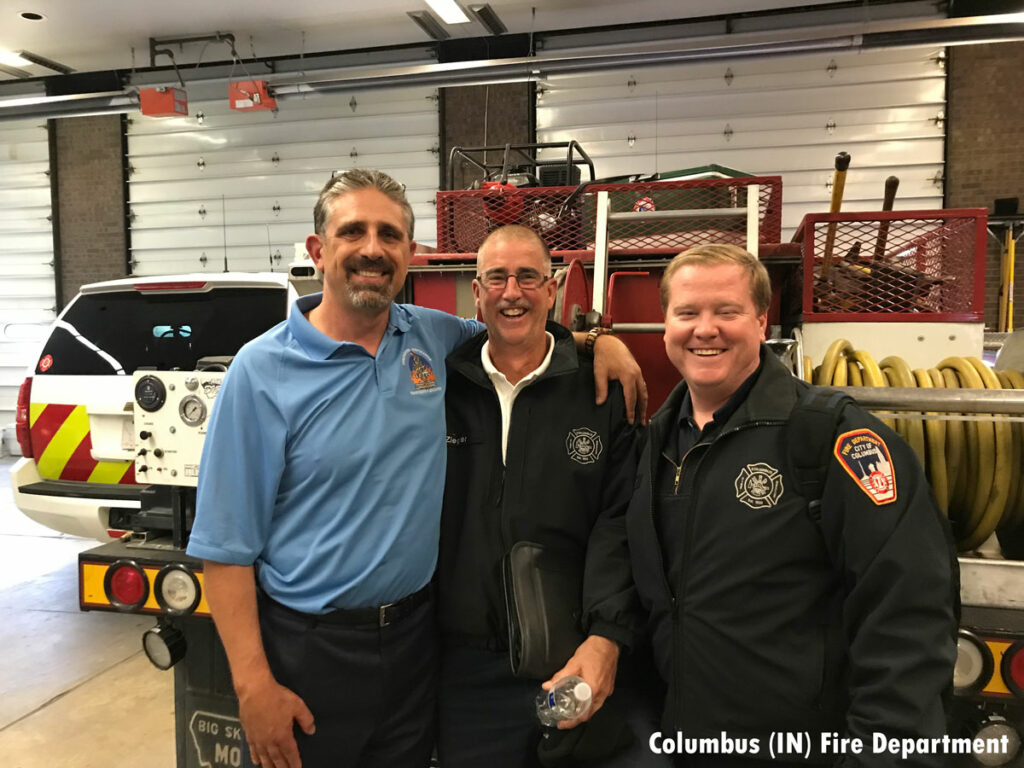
(78, 509)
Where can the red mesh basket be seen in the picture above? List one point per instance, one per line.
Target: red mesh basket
(566, 221)
(908, 265)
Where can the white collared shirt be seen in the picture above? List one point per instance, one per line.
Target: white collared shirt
(507, 392)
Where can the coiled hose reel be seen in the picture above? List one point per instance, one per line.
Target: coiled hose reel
(973, 463)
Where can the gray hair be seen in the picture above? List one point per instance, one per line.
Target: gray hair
(355, 179)
(523, 235)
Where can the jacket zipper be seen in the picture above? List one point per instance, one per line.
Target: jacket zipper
(679, 471)
(677, 620)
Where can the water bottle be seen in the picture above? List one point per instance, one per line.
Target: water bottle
(568, 699)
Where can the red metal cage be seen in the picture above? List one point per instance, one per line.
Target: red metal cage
(899, 265)
(566, 220)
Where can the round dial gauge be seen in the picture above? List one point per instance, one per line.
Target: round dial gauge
(150, 393)
(192, 410)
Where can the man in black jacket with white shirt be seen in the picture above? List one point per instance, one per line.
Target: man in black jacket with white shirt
(530, 458)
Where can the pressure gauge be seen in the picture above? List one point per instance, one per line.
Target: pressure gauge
(150, 393)
(192, 410)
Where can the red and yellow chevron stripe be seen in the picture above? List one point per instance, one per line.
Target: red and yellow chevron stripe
(62, 445)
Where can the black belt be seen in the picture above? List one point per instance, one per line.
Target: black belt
(380, 616)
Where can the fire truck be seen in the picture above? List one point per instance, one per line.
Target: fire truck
(920, 284)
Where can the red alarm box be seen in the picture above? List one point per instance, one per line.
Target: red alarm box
(163, 102)
(250, 95)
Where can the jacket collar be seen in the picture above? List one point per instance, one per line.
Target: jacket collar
(466, 359)
(772, 398)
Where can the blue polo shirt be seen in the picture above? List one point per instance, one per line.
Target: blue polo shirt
(325, 464)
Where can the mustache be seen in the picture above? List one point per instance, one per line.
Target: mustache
(365, 262)
(514, 305)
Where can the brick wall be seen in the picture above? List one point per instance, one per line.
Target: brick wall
(90, 201)
(985, 137)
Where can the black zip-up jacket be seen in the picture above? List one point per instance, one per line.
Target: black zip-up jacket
(566, 484)
(779, 622)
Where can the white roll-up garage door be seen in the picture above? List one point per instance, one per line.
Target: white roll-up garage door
(242, 185)
(785, 116)
(27, 295)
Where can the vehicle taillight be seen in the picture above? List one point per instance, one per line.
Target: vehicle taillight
(21, 428)
(999, 742)
(178, 285)
(1012, 667)
(974, 664)
(176, 590)
(126, 585)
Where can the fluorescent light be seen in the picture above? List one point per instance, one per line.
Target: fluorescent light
(13, 59)
(488, 19)
(426, 21)
(449, 11)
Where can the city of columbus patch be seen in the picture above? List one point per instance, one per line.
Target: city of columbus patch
(865, 457)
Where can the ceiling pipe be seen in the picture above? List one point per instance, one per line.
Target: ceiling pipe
(79, 105)
(839, 38)
(937, 32)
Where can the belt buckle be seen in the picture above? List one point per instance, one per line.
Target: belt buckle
(382, 615)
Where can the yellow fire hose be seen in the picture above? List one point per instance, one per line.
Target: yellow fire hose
(972, 465)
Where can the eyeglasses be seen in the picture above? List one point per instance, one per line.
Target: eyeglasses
(527, 278)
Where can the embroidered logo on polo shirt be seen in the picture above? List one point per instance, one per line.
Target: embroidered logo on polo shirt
(584, 445)
(759, 486)
(865, 457)
(421, 374)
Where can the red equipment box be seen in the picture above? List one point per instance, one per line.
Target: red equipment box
(250, 96)
(163, 102)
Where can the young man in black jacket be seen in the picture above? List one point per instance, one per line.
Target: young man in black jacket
(530, 458)
(771, 614)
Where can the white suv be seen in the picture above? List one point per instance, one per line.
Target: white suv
(74, 417)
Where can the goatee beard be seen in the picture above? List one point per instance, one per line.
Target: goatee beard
(372, 299)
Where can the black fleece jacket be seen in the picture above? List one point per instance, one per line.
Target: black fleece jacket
(778, 622)
(566, 484)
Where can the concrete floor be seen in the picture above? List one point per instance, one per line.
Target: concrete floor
(76, 690)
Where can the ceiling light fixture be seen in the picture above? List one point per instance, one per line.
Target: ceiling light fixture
(488, 19)
(13, 59)
(449, 11)
(426, 21)
(42, 61)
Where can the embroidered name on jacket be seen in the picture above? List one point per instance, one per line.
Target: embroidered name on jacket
(584, 445)
(759, 486)
(865, 457)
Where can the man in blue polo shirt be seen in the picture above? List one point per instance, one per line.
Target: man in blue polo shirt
(324, 467)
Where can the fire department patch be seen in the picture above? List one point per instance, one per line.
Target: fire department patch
(865, 457)
(759, 486)
(584, 445)
(46, 363)
(421, 374)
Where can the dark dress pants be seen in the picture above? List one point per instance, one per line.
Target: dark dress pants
(372, 690)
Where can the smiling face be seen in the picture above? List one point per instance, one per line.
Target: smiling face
(713, 331)
(515, 316)
(364, 252)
